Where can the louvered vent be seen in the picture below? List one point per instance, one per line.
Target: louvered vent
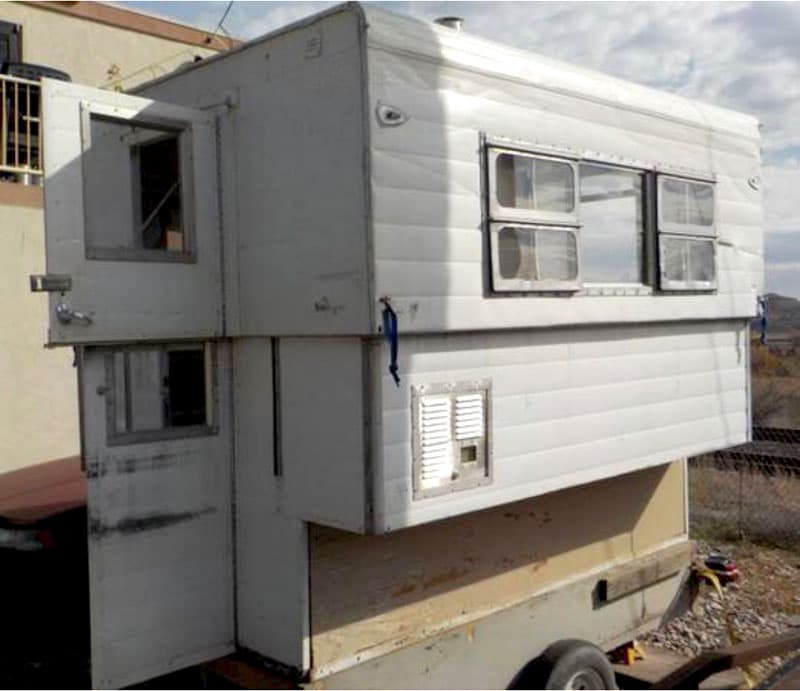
(436, 458)
(469, 416)
(450, 440)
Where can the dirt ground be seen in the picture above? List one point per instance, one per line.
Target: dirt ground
(763, 602)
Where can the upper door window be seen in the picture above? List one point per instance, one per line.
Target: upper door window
(136, 191)
(612, 224)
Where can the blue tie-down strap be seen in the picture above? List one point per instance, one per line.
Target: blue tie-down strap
(390, 331)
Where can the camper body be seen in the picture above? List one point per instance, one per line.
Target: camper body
(391, 340)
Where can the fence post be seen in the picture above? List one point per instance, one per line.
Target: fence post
(740, 520)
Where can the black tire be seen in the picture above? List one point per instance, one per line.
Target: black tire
(568, 664)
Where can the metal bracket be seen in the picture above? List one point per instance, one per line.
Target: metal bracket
(50, 283)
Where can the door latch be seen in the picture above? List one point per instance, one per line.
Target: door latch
(66, 315)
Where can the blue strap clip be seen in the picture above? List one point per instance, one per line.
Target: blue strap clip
(390, 332)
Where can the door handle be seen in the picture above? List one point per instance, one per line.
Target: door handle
(66, 315)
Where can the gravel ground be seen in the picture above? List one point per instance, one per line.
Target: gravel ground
(765, 601)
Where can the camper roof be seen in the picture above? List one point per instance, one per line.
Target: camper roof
(430, 41)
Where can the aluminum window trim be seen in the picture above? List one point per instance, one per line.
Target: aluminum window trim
(689, 229)
(183, 128)
(666, 284)
(519, 285)
(211, 426)
(499, 212)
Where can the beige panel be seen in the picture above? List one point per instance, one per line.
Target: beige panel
(92, 53)
(39, 395)
(388, 590)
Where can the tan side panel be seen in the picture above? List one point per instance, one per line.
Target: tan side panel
(665, 513)
(387, 590)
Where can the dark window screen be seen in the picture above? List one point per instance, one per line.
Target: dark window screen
(186, 386)
(9, 44)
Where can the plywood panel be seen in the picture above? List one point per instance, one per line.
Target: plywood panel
(390, 590)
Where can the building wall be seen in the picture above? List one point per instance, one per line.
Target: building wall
(86, 50)
(38, 396)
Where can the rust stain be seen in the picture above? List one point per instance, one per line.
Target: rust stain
(446, 577)
(470, 633)
(404, 590)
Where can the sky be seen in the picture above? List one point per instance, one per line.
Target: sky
(744, 56)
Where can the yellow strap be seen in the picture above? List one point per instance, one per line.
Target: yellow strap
(733, 637)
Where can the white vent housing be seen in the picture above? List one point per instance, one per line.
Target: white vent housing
(451, 450)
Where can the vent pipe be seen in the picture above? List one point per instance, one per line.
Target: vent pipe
(454, 23)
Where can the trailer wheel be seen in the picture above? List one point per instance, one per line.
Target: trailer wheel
(568, 664)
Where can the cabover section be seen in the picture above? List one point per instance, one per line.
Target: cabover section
(435, 180)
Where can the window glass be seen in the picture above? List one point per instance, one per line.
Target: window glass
(133, 191)
(612, 225)
(160, 388)
(687, 203)
(537, 254)
(540, 184)
(687, 260)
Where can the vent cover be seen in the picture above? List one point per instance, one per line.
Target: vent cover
(450, 439)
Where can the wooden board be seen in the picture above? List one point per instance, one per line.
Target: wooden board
(371, 594)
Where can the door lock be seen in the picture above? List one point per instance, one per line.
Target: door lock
(66, 315)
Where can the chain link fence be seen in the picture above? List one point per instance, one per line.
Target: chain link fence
(750, 491)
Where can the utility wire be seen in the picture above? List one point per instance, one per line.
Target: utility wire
(155, 65)
(220, 23)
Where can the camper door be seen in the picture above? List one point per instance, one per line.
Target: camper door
(131, 218)
(156, 443)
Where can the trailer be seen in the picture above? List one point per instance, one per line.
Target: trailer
(391, 344)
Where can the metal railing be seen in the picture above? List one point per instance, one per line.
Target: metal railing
(20, 129)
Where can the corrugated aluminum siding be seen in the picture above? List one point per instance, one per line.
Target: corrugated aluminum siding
(429, 246)
(568, 406)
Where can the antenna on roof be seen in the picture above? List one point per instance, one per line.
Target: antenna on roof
(454, 23)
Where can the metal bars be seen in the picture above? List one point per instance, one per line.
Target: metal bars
(20, 127)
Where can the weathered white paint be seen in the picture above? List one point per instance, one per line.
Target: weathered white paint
(419, 238)
(295, 156)
(271, 546)
(127, 300)
(428, 225)
(160, 553)
(568, 406)
(323, 433)
(325, 211)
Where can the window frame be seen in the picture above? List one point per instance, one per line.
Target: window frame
(644, 285)
(520, 285)
(692, 229)
(688, 232)
(652, 274)
(499, 212)
(668, 284)
(183, 130)
(129, 437)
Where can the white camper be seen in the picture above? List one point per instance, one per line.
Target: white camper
(392, 341)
